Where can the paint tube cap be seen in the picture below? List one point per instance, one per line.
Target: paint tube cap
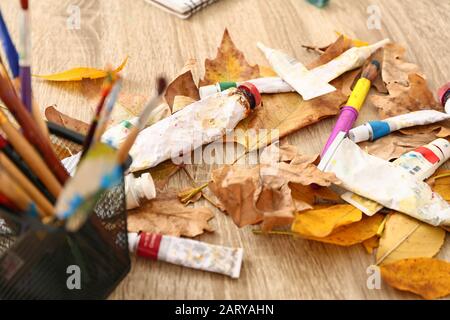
(133, 240)
(251, 88)
(360, 133)
(207, 90)
(444, 146)
(137, 189)
(442, 92)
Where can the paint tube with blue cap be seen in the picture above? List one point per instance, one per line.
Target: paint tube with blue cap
(374, 130)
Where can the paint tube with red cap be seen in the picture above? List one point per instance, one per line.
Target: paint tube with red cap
(197, 124)
(444, 96)
(421, 162)
(188, 253)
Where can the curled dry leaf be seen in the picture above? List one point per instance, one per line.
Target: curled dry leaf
(371, 244)
(405, 237)
(183, 85)
(228, 65)
(166, 215)
(394, 145)
(65, 148)
(321, 222)
(395, 69)
(427, 277)
(353, 233)
(403, 99)
(440, 183)
(262, 193)
(334, 50)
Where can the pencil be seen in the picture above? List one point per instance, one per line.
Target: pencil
(31, 130)
(26, 185)
(122, 153)
(30, 156)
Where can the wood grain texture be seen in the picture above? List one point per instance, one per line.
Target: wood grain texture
(275, 267)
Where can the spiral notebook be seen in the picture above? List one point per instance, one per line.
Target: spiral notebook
(181, 8)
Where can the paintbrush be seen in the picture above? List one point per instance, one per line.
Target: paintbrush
(24, 57)
(9, 48)
(122, 153)
(107, 111)
(31, 130)
(109, 81)
(350, 111)
(7, 149)
(12, 191)
(30, 156)
(26, 185)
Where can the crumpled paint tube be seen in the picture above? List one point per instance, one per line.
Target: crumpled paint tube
(264, 85)
(421, 163)
(383, 182)
(374, 130)
(199, 123)
(187, 253)
(314, 83)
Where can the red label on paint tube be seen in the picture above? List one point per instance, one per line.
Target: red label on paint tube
(428, 154)
(148, 245)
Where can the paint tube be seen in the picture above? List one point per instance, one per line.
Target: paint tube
(374, 130)
(444, 96)
(138, 189)
(199, 123)
(264, 85)
(187, 253)
(384, 182)
(421, 163)
(314, 83)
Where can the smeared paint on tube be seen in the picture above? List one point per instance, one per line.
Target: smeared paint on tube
(384, 182)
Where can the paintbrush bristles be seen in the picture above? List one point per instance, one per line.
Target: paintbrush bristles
(24, 4)
(161, 85)
(371, 71)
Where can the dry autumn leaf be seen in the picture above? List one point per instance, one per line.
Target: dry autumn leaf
(354, 233)
(395, 69)
(228, 65)
(371, 244)
(321, 222)
(183, 85)
(403, 99)
(78, 74)
(395, 144)
(429, 278)
(405, 237)
(166, 215)
(440, 183)
(262, 193)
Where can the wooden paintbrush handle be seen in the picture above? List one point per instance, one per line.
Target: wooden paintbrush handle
(30, 156)
(122, 153)
(26, 185)
(31, 130)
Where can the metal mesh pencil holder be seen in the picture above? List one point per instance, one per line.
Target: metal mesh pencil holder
(40, 261)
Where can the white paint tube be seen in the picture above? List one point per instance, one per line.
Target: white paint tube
(188, 253)
(374, 130)
(264, 85)
(199, 123)
(314, 83)
(384, 182)
(421, 163)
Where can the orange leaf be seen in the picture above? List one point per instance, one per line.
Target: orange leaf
(228, 65)
(427, 277)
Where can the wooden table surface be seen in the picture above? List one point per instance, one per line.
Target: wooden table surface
(275, 267)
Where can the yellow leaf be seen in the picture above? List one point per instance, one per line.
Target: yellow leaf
(441, 183)
(353, 233)
(355, 42)
(321, 222)
(427, 277)
(78, 74)
(405, 237)
(371, 244)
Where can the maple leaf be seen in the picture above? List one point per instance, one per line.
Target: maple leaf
(427, 277)
(228, 65)
(395, 69)
(183, 85)
(166, 215)
(405, 237)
